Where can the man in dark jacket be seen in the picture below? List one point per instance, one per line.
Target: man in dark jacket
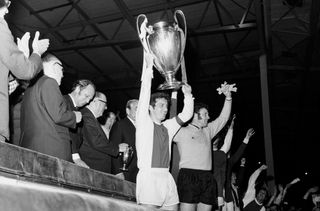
(124, 131)
(82, 92)
(45, 118)
(96, 150)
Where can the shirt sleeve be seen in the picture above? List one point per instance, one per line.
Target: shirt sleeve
(215, 126)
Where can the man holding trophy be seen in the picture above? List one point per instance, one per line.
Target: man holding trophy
(155, 185)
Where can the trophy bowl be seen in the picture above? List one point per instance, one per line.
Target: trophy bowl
(126, 158)
(166, 42)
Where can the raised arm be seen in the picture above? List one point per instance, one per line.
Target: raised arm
(238, 154)
(145, 90)
(228, 139)
(216, 125)
(250, 193)
(187, 111)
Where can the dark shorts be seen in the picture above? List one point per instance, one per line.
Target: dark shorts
(195, 186)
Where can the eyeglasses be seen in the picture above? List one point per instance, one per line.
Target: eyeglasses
(59, 65)
(105, 102)
(8, 3)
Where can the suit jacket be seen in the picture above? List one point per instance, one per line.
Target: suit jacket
(13, 60)
(96, 150)
(74, 132)
(124, 131)
(45, 119)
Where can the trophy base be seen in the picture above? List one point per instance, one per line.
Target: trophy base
(123, 169)
(173, 85)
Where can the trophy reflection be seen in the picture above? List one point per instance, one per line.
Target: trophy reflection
(166, 42)
(126, 158)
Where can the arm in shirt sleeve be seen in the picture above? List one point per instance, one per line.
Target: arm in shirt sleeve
(187, 111)
(250, 193)
(227, 141)
(216, 125)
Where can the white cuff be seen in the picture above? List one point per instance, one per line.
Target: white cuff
(246, 140)
(75, 156)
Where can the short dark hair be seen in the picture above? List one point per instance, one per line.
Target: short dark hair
(82, 84)
(158, 95)
(261, 187)
(198, 106)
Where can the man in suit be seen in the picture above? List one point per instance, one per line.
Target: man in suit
(13, 60)
(96, 150)
(124, 131)
(82, 92)
(45, 118)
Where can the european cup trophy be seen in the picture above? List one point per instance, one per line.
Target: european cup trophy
(166, 42)
(126, 158)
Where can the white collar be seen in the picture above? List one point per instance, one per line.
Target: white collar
(131, 120)
(74, 103)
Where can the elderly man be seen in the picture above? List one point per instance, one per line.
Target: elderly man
(82, 92)
(96, 150)
(13, 60)
(45, 118)
(155, 185)
(124, 131)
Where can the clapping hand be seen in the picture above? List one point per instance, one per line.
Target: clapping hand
(39, 46)
(23, 44)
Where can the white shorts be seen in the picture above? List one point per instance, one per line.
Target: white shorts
(156, 186)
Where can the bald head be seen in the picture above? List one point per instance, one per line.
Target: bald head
(98, 104)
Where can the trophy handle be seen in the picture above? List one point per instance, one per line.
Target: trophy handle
(183, 34)
(143, 35)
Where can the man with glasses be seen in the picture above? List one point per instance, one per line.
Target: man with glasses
(45, 118)
(96, 150)
(13, 60)
(82, 92)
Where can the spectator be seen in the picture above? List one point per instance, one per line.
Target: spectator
(311, 199)
(13, 60)
(96, 150)
(107, 121)
(253, 200)
(82, 92)
(232, 193)
(45, 118)
(220, 161)
(124, 131)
